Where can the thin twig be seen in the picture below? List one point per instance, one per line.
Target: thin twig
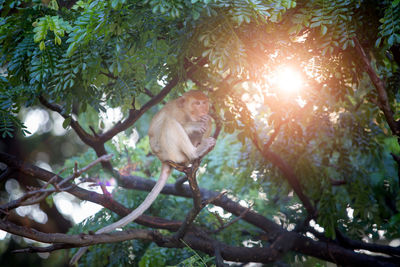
(211, 200)
(274, 135)
(224, 226)
(40, 194)
(5, 174)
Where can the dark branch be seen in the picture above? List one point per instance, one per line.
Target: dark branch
(380, 87)
(67, 241)
(355, 244)
(5, 174)
(83, 135)
(36, 196)
(338, 182)
(76, 240)
(272, 230)
(289, 174)
(134, 115)
(180, 181)
(198, 205)
(273, 135)
(109, 75)
(301, 244)
(34, 172)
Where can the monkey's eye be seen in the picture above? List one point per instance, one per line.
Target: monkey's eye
(197, 103)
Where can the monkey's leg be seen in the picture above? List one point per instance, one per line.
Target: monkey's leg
(180, 148)
(204, 146)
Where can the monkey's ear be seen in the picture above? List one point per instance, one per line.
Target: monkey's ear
(180, 101)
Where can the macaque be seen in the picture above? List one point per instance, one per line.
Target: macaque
(179, 132)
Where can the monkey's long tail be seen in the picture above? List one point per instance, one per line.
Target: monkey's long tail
(165, 172)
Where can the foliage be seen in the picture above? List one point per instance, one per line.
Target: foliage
(389, 30)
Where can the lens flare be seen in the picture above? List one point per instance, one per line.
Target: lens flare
(288, 80)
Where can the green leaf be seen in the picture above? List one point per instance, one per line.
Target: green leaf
(391, 40)
(196, 15)
(137, 104)
(114, 3)
(53, 4)
(66, 122)
(324, 29)
(71, 49)
(378, 42)
(42, 45)
(57, 40)
(315, 24)
(294, 29)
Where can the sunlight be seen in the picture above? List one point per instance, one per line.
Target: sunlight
(3, 234)
(110, 117)
(288, 80)
(36, 120)
(78, 211)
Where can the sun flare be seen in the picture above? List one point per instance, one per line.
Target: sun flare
(288, 80)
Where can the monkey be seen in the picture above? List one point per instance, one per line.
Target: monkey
(178, 133)
(190, 111)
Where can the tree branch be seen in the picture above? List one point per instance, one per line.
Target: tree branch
(355, 244)
(76, 240)
(380, 88)
(83, 135)
(134, 115)
(288, 173)
(197, 205)
(224, 226)
(301, 244)
(62, 241)
(37, 196)
(34, 172)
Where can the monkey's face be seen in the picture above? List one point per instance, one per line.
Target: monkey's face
(198, 107)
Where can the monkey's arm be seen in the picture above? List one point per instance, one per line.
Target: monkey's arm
(203, 126)
(194, 126)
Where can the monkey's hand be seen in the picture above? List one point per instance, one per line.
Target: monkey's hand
(205, 121)
(205, 118)
(196, 126)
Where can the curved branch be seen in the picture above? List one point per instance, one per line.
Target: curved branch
(36, 196)
(83, 135)
(62, 241)
(355, 244)
(134, 115)
(292, 178)
(273, 230)
(34, 172)
(197, 205)
(76, 240)
(380, 88)
(287, 172)
(195, 241)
